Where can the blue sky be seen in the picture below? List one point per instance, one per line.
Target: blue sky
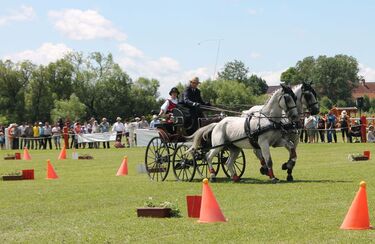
(160, 39)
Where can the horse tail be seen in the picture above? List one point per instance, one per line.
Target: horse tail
(198, 135)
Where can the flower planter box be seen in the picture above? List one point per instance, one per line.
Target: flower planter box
(9, 157)
(12, 177)
(154, 212)
(85, 157)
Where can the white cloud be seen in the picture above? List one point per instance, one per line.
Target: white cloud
(367, 72)
(165, 69)
(272, 77)
(85, 25)
(46, 53)
(130, 51)
(24, 13)
(255, 55)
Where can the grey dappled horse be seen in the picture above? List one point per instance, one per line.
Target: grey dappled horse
(231, 132)
(306, 100)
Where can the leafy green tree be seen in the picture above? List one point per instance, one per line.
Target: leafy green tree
(366, 103)
(39, 96)
(71, 109)
(325, 104)
(144, 96)
(258, 84)
(235, 70)
(60, 75)
(334, 77)
(14, 79)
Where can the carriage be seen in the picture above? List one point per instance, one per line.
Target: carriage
(168, 150)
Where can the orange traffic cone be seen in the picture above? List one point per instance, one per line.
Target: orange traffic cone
(62, 153)
(123, 170)
(210, 210)
(51, 174)
(26, 154)
(357, 217)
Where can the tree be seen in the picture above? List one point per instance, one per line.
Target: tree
(334, 77)
(228, 93)
(144, 99)
(39, 99)
(236, 71)
(14, 78)
(258, 84)
(72, 109)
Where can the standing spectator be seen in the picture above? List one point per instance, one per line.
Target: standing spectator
(29, 134)
(41, 136)
(72, 133)
(104, 128)
(154, 121)
(303, 132)
(47, 135)
(35, 141)
(56, 135)
(127, 131)
(77, 131)
(10, 136)
(95, 129)
(143, 124)
(16, 134)
(322, 127)
(2, 138)
(119, 128)
(371, 134)
(22, 138)
(345, 125)
(331, 127)
(310, 125)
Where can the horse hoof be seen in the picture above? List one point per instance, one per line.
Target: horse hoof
(236, 178)
(263, 171)
(289, 178)
(275, 180)
(284, 166)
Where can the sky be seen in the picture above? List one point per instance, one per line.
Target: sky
(174, 41)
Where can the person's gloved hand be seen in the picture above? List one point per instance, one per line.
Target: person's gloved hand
(196, 104)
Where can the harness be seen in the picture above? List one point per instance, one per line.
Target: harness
(254, 135)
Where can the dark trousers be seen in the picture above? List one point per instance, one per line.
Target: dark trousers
(118, 136)
(47, 139)
(106, 143)
(322, 134)
(331, 133)
(16, 143)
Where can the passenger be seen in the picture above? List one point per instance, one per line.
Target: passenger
(170, 103)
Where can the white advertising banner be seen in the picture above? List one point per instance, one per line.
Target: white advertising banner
(144, 136)
(96, 137)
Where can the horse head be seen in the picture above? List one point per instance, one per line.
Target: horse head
(288, 103)
(309, 98)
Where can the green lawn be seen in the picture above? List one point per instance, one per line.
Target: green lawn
(88, 203)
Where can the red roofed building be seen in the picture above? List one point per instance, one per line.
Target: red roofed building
(364, 88)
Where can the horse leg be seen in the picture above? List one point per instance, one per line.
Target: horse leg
(234, 152)
(210, 155)
(263, 169)
(288, 166)
(267, 156)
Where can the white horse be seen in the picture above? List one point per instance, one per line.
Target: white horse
(260, 131)
(306, 100)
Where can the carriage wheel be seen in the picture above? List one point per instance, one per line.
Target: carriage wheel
(239, 163)
(184, 164)
(157, 159)
(202, 165)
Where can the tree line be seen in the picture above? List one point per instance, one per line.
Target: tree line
(81, 86)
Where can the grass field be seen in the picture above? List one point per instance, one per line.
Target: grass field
(88, 203)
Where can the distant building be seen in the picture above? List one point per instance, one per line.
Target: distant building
(272, 89)
(364, 88)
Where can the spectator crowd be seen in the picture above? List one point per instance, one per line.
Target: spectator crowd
(43, 135)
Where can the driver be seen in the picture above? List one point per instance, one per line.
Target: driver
(192, 98)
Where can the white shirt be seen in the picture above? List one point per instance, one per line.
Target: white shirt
(118, 127)
(165, 105)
